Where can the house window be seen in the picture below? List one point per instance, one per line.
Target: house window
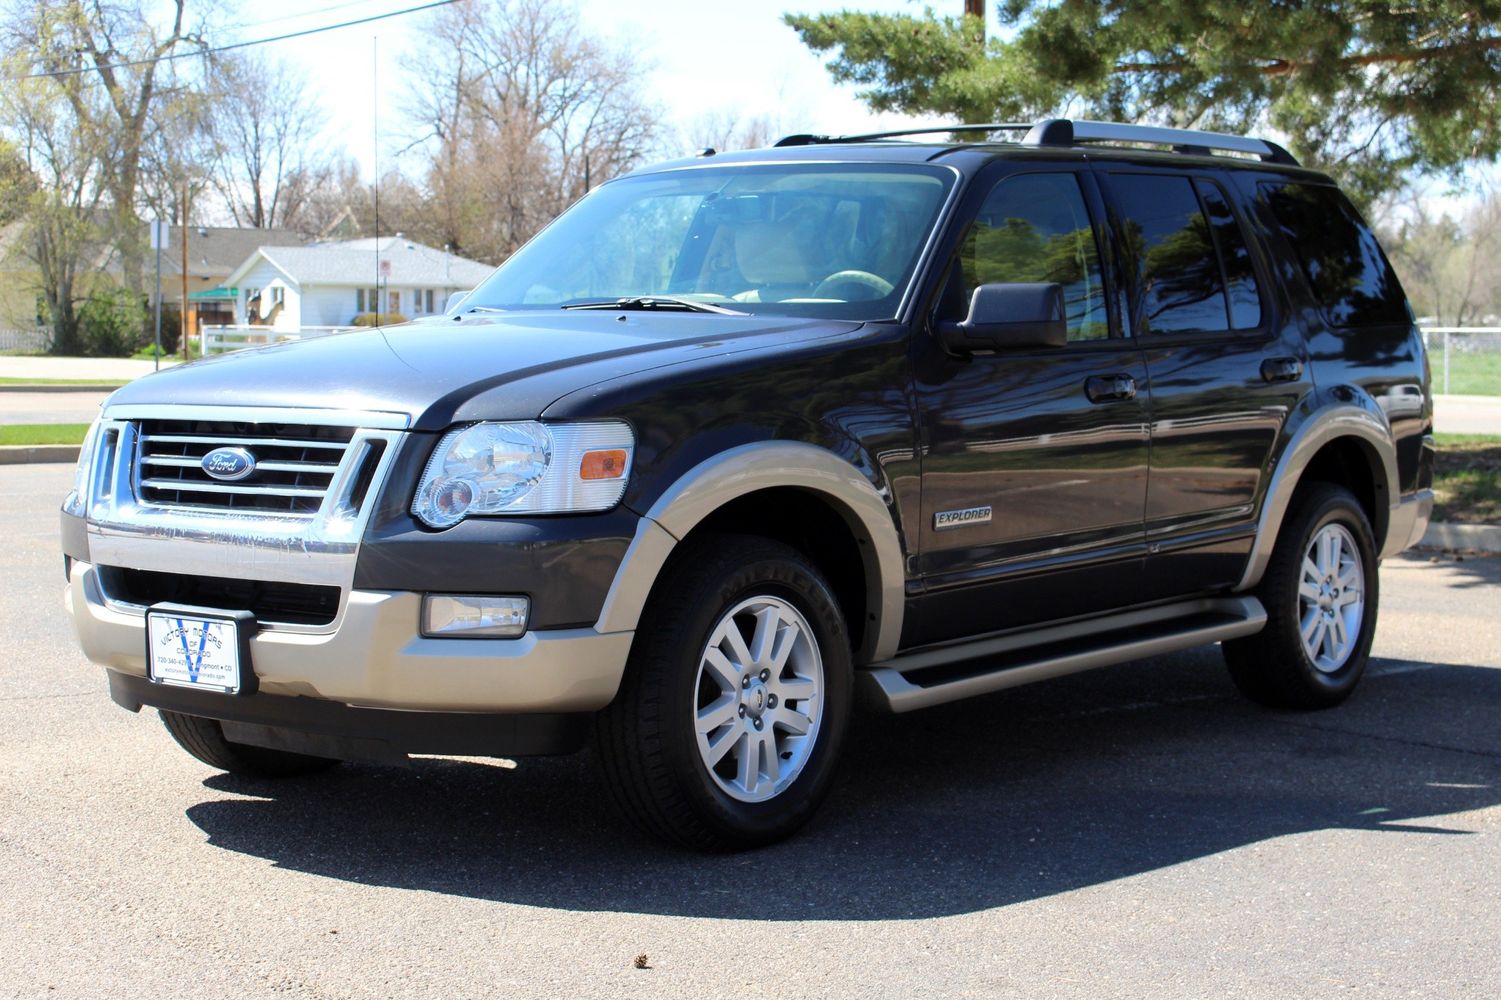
(395, 306)
(359, 301)
(429, 294)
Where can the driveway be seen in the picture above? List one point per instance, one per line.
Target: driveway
(1139, 831)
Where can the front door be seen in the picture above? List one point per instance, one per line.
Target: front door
(1034, 468)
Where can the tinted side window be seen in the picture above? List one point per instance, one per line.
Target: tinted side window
(1351, 278)
(1230, 241)
(1035, 227)
(1168, 237)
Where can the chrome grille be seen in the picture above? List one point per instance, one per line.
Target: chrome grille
(294, 464)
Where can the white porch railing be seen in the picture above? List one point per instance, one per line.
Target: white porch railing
(223, 339)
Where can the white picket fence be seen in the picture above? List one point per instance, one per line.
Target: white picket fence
(37, 340)
(223, 339)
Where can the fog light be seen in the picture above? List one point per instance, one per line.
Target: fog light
(479, 616)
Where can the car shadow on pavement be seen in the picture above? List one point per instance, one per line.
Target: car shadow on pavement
(1013, 797)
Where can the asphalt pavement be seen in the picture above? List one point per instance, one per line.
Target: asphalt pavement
(1134, 832)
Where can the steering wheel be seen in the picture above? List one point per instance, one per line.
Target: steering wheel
(874, 285)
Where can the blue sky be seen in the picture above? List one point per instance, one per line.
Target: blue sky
(697, 57)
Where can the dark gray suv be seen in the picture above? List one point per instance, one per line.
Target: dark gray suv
(740, 436)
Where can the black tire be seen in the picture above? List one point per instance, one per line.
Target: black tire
(1274, 667)
(647, 739)
(204, 739)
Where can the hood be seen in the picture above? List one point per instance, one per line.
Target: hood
(430, 371)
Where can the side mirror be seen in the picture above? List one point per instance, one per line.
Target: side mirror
(1009, 316)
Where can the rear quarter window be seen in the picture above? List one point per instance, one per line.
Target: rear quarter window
(1351, 278)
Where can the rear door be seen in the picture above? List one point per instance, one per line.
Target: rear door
(1224, 371)
(1034, 468)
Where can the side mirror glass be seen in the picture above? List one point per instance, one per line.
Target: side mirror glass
(1009, 316)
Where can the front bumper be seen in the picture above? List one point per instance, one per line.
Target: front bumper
(376, 658)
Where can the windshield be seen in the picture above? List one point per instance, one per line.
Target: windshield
(838, 241)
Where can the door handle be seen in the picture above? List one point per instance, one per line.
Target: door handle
(1109, 388)
(1281, 370)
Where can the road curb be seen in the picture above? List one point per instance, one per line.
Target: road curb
(49, 387)
(1484, 538)
(25, 454)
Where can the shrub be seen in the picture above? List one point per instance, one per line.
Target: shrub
(379, 319)
(110, 324)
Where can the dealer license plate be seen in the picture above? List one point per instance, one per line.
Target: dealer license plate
(194, 651)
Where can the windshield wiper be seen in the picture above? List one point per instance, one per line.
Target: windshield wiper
(657, 302)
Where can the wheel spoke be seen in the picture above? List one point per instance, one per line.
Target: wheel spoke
(738, 653)
(749, 767)
(773, 763)
(765, 635)
(1311, 571)
(716, 750)
(1336, 546)
(725, 673)
(786, 639)
(1349, 597)
(1311, 623)
(718, 713)
(1340, 634)
(1309, 591)
(795, 688)
(1349, 579)
(794, 722)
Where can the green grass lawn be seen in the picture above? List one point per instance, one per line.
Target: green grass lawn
(1467, 479)
(1471, 373)
(42, 433)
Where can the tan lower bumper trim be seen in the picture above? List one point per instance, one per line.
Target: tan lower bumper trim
(377, 658)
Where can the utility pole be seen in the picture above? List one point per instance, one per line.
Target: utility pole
(182, 313)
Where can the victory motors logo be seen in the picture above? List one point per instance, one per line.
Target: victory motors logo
(228, 464)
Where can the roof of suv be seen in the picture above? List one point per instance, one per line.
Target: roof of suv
(1055, 136)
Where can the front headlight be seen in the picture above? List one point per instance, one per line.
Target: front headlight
(524, 467)
(76, 502)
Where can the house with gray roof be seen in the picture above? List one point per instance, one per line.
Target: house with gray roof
(329, 284)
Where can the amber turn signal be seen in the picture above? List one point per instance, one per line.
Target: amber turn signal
(603, 464)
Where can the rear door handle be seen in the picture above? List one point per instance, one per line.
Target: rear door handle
(1281, 370)
(1109, 388)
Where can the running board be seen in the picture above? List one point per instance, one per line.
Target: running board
(948, 673)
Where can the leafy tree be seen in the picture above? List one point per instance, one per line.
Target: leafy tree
(519, 112)
(113, 65)
(1370, 90)
(268, 164)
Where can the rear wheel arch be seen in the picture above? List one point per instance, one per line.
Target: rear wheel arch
(1347, 443)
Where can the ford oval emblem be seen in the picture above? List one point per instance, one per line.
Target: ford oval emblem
(228, 464)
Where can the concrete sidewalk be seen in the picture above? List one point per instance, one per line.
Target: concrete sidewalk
(120, 369)
(1467, 414)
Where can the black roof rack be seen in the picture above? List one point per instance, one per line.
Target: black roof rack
(1056, 132)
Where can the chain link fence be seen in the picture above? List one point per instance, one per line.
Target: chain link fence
(37, 341)
(1466, 360)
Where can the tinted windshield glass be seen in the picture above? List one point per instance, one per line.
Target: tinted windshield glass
(836, 241)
